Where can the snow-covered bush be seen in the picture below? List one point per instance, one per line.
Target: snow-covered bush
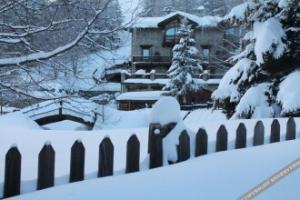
(186, 61)
(272, 52)
(165, 111)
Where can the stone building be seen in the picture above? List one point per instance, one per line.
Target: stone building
(153, 39)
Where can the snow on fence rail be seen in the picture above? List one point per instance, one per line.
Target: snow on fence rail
(46, 158)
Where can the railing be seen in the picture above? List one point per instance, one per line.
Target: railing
(152, 59)
(157, 133)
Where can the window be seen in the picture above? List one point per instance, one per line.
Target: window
(171, 33)
(146, 51)
(206, 52)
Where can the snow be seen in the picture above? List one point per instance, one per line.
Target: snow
(65, 125)
(203, 176)
(289, 93)
(140, 96)
(239, 12)
(203, 116)
(17, 120)
(242, 70)
(165, 111)
(141, 72)
(146, 81)
(30, 142)
(269, 37)
(116, 119)
(255, 103)
(78, 107)
(153, 22)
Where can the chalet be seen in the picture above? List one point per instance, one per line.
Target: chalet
(153, 39)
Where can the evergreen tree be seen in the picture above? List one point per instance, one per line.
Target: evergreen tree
(185, 64)
(252, 86)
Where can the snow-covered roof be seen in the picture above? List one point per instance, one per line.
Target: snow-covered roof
(165, 81)
(146, 81)
(140, 96)
(153, 22)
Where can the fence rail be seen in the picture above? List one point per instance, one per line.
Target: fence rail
(157, 132)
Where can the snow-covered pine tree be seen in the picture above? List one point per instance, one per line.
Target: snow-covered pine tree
(265, 73)
(185, 63)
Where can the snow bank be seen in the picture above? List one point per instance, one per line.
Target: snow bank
(269, 36)
(289, 93)
(254, 103)
(225, 175)
(116, 119)
(17, 120)
(203, 116)
(165, 111)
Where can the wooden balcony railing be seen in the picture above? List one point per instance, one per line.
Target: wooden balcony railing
(152, 59)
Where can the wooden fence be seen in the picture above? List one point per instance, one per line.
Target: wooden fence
(46, 158)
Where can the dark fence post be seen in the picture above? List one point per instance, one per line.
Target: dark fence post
(77, 162)
(152, 128)
(222, 137)
(133, 155)
(201, 143)
(290, 129)
(46, 167)
(156, 151)
(184, 147)
(12, 181)
(275, 131)
(241, 136)
(259, 134)
(106, 158)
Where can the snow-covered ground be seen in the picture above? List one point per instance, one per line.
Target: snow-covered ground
(30, 138)
(226, 175)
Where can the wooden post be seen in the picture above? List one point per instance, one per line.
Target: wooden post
(106, 158)
(241, 136)
(77, 162)
(156, 151)
(133, 155)
(275, 131)
(259, 134)
(222, 139)
(152, 128)
(290, 129)
(46, 167)
(201, 143)
(184, 147)
(12, 181)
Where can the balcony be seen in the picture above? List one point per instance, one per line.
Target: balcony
(152, 60)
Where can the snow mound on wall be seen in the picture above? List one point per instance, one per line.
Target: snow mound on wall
(269, 35)
(289, 93)
(255, 102)
(165, 111)
(17, 120)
